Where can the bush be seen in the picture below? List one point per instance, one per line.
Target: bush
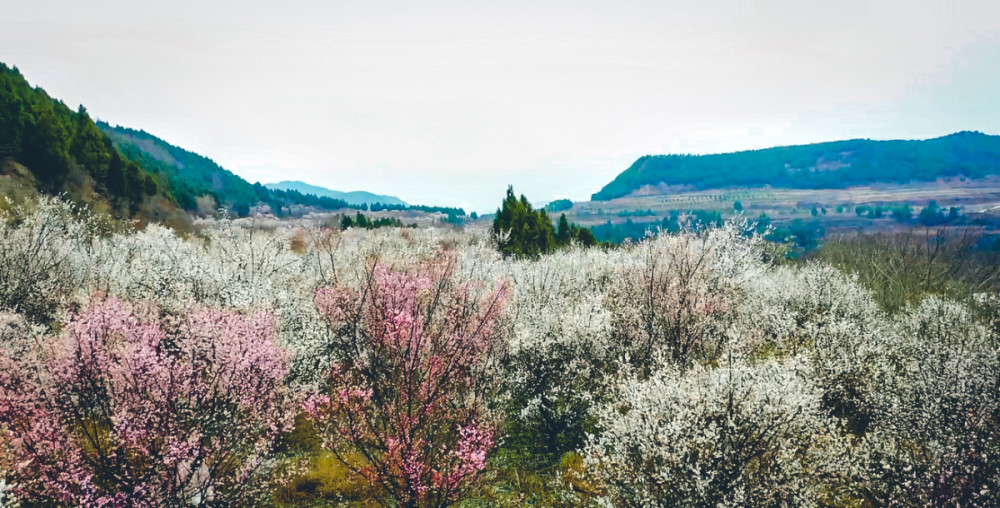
(38, 265)
(133, 410)
(407, 395)
(732, 436)
(903, 268)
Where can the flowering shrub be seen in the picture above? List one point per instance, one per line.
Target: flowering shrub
(733, 436)
(674, 305)
(557, 355)
(38, 263)
(134, 409)
(408, 392)
(939, 411)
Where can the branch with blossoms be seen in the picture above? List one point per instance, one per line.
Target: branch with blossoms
(409, 394)
(673, 306)
(165, 411)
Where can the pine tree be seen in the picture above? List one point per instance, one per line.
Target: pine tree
(46, 146)
(116, 175)
(563, 233)
(529, 233)
(90, 147)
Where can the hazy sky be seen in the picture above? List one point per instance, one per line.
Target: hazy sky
(447, 102)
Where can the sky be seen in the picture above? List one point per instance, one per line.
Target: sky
(448, 102)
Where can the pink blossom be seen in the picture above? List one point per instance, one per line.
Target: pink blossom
(139, 408)
(409, 399)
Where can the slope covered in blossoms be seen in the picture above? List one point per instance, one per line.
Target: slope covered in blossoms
(420, 367)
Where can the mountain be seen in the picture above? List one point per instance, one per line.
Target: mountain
(831, 165)
(47, 147)
(353, 197)
(194, 176)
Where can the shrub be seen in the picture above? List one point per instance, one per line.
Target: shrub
(133, 411)
(903, 268)
(732, 436)
(38, 267)
(937, 438)
(408, 395)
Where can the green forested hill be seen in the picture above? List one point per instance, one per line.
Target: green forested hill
(57, 150)
(192, 176)
(835, 164)
(48, 147)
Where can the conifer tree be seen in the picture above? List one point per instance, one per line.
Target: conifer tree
(563, 233)
(520, 230)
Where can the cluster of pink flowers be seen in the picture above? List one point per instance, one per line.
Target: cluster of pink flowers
(409, 399)
(127, 411)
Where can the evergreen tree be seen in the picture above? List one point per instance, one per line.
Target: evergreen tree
(563, 233)
(45, 146)
(522, 231)
(90, 147)
(116, 175)
(361, 221)
(584, 236)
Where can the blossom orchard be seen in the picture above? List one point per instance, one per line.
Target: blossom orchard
(682, 369)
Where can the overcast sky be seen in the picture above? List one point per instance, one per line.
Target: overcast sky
(447, 102)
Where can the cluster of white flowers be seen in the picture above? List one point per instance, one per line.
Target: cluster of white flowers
(740, 435)
(686, 369)
(39, 260)
(6, 498)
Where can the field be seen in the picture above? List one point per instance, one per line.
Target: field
(265, 362)
(836, 207)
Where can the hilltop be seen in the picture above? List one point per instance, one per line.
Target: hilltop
(47, 147)
(830, 165)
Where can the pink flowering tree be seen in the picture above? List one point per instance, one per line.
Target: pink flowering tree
(165, 411)
(409, 395)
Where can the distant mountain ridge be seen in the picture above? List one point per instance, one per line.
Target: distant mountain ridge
(834, 165)
(192, 176)
(352, 197)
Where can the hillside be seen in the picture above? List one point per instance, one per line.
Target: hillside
(193, 176)
(47, 147)
(831, 165)
(353, 197)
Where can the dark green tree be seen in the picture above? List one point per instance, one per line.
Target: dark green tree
(931, 214)
(46, 146)
(585, 237)
(116, 175)
(902, 213)
(563, 233)
(90, 147)
(520, 230)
